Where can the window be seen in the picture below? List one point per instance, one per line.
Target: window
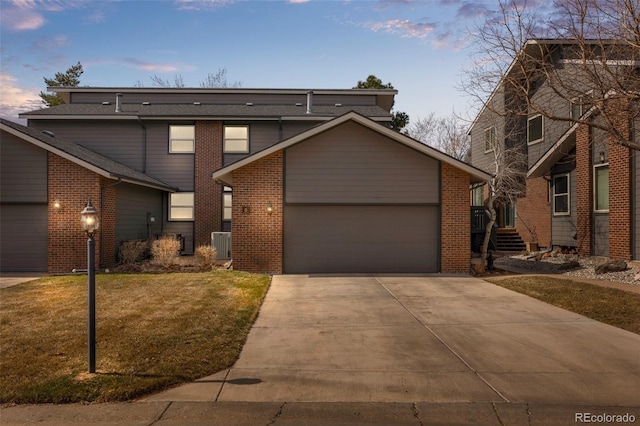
(181, 206)
(601, 188)
(226, 203)
(535, 129)
(561, 195)
(579, 106)
(490, 139)
(182, 139)
(236, 139)
(478, 196)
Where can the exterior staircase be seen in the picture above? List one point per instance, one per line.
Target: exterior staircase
(508, 240)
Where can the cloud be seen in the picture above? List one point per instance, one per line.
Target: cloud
(201, 4)
(21, 19)
(299, 1)
(403, 27)
(148, 66)
(15, 99)
(472, 10)
(49, 43)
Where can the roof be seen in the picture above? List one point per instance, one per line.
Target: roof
(83, 156)
(204, 111)
(225, 174)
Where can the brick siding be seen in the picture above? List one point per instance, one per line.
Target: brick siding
(455, 252)
(533, 213)
(208, 194)
(584, 183)
(72, 185)
(620, 188)
(257, 235)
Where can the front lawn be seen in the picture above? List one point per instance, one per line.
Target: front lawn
(152, 331)
(608, 305)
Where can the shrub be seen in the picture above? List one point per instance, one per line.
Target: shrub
(206, 257)
(132, 252)
(164, 250)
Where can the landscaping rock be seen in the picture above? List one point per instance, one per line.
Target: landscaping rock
(611, 266)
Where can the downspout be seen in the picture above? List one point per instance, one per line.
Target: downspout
(102, 191)
(144, 145)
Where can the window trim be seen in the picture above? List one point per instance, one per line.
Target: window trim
(224, 139)
(595, 186)
(567, 194)
(171, 206)
(533, 117)
(193, 141)
(495, 140)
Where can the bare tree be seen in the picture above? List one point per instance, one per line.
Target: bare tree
(448, 134)
(586, 52)
(213, 80)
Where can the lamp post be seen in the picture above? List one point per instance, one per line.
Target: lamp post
(90, 224)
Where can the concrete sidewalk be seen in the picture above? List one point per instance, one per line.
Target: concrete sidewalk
(397, 350)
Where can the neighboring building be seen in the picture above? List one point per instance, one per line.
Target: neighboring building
(582, 187)
(306, 181)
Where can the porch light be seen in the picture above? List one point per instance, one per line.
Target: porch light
(269, 208)
(89, 219)
(602, 156)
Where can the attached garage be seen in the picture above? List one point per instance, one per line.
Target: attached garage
(350, 196)
(356, 201)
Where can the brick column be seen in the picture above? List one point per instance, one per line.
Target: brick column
(620, 189)
(533, 214)
(108, 223)
(71, 185)
(208, 193)
(257, 235)
(585, 189)
(455, 223)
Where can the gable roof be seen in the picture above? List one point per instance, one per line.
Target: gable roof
(82, 156)
(225, 174)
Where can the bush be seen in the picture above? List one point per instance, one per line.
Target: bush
(132, 252)
(164, 250)
(206, 257)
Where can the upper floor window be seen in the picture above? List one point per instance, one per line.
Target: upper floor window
(579, 106)
(561, 195)
(490, 139)
(182, 139)
(535, 129)
(601, 188)
(181, 206)
(236, 139)
(226, 203)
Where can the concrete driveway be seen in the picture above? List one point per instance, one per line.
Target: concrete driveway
(422, 339)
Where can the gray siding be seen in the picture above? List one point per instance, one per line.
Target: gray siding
(601, 235)
(224, 98)
(183, 228)
(132, 205)
(564, 228)
(488, 118)
(123, 141)
(352, 164)
(23, 171)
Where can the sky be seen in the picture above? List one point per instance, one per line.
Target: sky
(421, 47)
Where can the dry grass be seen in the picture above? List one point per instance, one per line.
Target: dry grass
(608, 305)
(153, 331)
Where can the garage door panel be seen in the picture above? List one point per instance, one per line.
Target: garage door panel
(23, 238)
(352, 239)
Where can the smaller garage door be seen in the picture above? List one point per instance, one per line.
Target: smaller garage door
(361, 239)
(23, 238)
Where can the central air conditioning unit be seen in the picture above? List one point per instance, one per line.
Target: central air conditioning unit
(221, 241)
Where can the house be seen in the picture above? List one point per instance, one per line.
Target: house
(582, 188)
(306, 181)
